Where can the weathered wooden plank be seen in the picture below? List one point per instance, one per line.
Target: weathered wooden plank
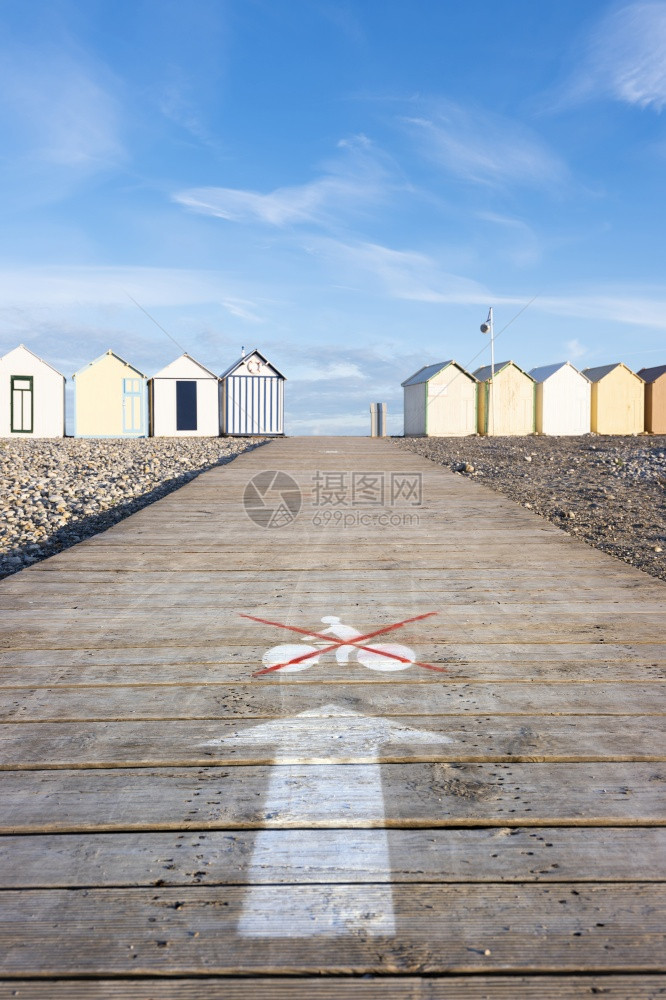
(257, 701)
(265, 599)
(496, 580)
(311, 739)
(330, 677)
(477, 987)
(130, 630)
(132, 559)
(335, 929)
(370, 613)
(651, 654)
(217, 857)
(328, 796)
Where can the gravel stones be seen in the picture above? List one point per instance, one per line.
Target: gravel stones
(54, 493)
(608, 491)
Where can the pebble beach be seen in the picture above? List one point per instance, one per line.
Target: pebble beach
(56, 492)
(608, 491)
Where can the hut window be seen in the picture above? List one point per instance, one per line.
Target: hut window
(186, 406)
(22, 404)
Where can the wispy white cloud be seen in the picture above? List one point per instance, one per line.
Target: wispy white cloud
(67, 286)
(624, 58)
(633, 307)
(485, 148)
(575, 349)
(59, 111)
(326, 373)
(520, 244)
(354, 183)
(402, 274)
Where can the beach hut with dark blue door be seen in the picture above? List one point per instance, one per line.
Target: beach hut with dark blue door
(110, 399)
(184, 400)
(252, 397)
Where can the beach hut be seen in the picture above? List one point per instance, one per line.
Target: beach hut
(618, 400)
(110, 399)
(506, 402)
(32, 396)
(252, 397)
(562, 399)
(655, 398)
(184, 400)
(440, 400)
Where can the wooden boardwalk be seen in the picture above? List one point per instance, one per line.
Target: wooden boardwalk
(174, 827)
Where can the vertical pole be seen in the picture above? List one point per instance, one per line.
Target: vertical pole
(491, 401)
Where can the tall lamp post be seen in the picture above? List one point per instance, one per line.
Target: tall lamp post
(488, 327)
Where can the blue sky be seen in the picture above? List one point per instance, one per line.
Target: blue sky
(346, 184)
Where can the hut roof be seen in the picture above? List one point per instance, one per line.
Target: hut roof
(596, 374)
(652, 374)
(113, 355)
(162, 372)
(483, 374)
(232, 368)
(35, 356)
(429, 371)
(545, 371)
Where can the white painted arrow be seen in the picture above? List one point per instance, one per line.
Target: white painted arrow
(356, 736)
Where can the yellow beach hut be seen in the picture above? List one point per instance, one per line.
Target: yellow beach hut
(110, 399)
(440, 401)
(32, 396)
(618, 399)
(655, 398)
(507, 401)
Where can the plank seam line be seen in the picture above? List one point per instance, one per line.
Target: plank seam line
(257, 973)
(426, 824)
(335, 682)
(645, 882)
(285, 761)
(69, 720)
(174, 645)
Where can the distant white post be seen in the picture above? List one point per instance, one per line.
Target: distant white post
(488, 327)
(378, 419)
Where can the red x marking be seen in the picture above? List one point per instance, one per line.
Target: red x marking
(336, 643)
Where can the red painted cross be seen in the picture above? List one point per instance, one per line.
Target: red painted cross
(336, 643)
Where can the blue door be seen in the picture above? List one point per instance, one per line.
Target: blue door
(186, 406)
(132, 406)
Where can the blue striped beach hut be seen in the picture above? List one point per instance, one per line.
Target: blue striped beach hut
(252, 397)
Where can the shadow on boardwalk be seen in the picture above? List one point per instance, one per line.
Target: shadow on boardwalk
(79, 529)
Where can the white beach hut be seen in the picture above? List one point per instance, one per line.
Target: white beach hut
(110, 399)
(184, 400)
(252, 397)
(562, 399)
(440, 400)
(32, 396)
